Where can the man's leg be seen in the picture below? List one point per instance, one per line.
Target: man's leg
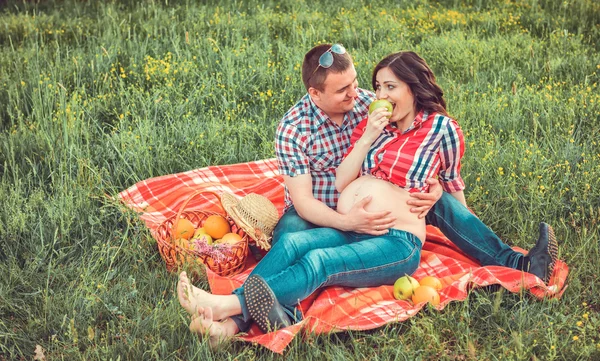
(477, 240)
(290, 222)
(470, 234)
(365, 261)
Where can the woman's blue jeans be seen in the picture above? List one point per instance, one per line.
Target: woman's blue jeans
(301, 262)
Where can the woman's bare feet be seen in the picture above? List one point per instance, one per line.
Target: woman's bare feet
(192, 297)
(204, 324)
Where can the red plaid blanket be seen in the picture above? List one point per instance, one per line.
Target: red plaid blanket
(333, 308)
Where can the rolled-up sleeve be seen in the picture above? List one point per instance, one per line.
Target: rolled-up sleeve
(291, 158)
(452, 149)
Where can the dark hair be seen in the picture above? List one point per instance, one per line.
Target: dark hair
(314, 75)
(414, 71)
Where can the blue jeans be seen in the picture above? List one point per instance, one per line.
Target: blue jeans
(455, 221)
(301, 262)
(470, 234)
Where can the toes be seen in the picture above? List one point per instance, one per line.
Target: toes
(208, 314)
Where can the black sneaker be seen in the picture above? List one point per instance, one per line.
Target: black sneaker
(543, 256)
(263, 305)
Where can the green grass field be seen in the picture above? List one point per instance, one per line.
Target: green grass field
(95, 97)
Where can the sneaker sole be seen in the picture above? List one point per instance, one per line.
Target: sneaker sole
(261, 301)
(553, 251)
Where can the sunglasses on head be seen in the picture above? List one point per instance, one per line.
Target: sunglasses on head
(326, 59)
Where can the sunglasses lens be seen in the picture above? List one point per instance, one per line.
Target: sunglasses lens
(338, 49)
(326, 60)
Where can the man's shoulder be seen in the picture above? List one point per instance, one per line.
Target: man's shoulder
(299, 117)
(299, 111)
(365, 94)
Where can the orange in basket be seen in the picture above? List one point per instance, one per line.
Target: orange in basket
(216, 226)
(184, 229)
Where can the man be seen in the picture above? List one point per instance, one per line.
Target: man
(311, 141)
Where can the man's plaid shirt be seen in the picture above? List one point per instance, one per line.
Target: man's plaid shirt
(308, 142)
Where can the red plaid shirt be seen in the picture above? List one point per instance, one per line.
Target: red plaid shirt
(307, 141)
(432, 145)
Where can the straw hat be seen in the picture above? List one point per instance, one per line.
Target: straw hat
(255, 214)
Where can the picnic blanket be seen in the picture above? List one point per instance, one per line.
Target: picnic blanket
(332, 308)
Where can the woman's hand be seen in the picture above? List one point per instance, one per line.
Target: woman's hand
(378, 120)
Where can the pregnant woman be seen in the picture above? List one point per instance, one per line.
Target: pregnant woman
(393, 154)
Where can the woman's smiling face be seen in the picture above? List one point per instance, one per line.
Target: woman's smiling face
(397, 92)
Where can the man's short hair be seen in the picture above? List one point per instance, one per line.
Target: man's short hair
(314, 75)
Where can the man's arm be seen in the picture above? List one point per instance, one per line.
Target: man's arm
(315, 211)
(422, 202)
(460, 196)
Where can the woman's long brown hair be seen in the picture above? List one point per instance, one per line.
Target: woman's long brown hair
(414, 71)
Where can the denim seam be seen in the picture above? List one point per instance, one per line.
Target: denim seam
(461, 234)
(365, 270)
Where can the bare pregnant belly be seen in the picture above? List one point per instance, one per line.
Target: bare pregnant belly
(386, 197)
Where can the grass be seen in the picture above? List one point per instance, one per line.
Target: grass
(99, 95)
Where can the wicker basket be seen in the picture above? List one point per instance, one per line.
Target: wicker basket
(232, 260)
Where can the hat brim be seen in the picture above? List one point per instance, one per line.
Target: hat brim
(230, 204)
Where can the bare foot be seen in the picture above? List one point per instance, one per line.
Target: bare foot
(188, 293)
(192, 297)
(204, 325)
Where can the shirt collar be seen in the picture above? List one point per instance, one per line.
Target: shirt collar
(318, 115)
(419, 119)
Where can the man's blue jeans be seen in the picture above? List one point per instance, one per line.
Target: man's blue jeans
(470, 234)
(301, 262)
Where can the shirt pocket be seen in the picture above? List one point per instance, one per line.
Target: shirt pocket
(323, 161)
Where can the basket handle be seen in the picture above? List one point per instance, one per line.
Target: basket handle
(185, 203)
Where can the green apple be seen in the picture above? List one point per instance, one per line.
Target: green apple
(404, 287)
(199, 232)
(204, 238)
(381, 103)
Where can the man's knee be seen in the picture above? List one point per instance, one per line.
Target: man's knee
(447, 206)
(290, 222)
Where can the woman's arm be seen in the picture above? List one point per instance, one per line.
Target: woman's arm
(452, 148)
(348, 170)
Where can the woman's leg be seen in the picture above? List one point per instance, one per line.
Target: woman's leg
(204, 324)
(191, 298)
(367, 262)
(285, 254)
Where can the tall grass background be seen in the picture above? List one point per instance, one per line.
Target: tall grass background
(96, 96)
